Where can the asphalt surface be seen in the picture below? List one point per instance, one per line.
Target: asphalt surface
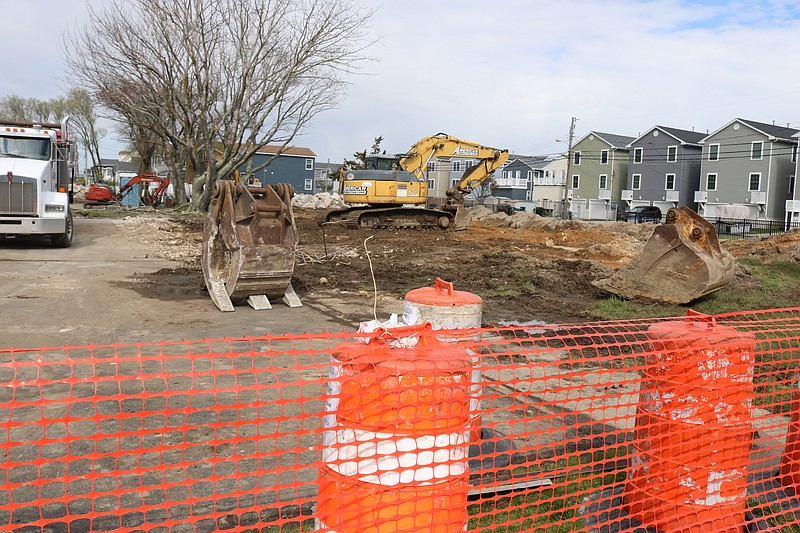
(82, 295)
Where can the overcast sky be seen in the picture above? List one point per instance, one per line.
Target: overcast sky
(511, 73)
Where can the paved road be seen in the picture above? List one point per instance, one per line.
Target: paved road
(82, 295)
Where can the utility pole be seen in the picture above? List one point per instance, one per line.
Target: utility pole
(567, 182)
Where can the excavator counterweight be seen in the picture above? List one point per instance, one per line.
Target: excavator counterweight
(680, 262)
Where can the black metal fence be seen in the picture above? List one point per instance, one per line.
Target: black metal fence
(730, 227)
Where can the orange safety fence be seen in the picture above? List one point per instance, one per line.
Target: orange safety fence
(681, 424)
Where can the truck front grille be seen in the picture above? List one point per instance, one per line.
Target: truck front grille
(18, 197)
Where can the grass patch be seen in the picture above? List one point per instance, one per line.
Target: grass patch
(774, 515)
(554, 508)
(774, 285)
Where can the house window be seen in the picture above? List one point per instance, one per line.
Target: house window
(603, 157)
(576, 181)
(636, 182)
(454, 182)
(711, 182)
(637, 155)
(468, 163)
(576, 158)
(518, 174)
(794, 154)
(672, 154)
(791, 185)
(756, 150)
(431, 166)
(308, 184)
(755, 182)
(309, 165)
(530, 175)
(604, 181)
(713, 152)
(670, 182)
(456, 166)
(431, 184)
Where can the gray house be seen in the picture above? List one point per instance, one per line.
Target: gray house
(747, 166)
(663, 169)
(515, 179)
(598, 173)
(294, 165)
(793, 203)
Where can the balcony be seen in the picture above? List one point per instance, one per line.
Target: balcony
(673, 196)
(757, 197)
(701, 197)
(627, 195)
(511, 183)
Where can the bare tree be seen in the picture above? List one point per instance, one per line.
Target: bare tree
(216, 80)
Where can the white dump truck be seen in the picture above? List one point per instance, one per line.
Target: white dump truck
(36, 160)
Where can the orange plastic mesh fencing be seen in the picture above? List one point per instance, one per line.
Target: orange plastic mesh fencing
(682, 424)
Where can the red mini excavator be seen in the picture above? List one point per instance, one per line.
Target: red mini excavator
(101, 194)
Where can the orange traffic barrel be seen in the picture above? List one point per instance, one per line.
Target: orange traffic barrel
(688, 472)
(451, 312)
(790, 462)
(395, 436)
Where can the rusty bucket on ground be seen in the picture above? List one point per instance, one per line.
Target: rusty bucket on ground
(395, 436)
(455, 314)
(681, 261)
(688, 472)
(249, 240)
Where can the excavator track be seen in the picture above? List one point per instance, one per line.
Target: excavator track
(249, 241)
(392, 217)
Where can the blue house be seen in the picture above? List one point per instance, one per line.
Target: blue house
(290, 164)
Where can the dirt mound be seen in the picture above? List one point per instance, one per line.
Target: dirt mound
(524, 266)
(783, 247)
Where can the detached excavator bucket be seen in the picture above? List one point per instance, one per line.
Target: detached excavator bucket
(681, 262)
(249, 241)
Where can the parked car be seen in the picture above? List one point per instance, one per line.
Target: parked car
(641, 213)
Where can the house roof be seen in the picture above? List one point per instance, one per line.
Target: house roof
(779, 132)
(682, 136)
(769, 130)
(297, 151)
(685, 136)
(612, 139)
(532, 161)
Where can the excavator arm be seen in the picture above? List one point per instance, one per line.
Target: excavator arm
(443, 145)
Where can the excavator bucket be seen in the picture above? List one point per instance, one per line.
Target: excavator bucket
(249, 240)
(461, 218)
(681, 262)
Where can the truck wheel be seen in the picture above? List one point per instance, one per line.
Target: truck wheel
(64, 240)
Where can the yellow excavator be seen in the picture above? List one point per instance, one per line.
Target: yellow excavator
(392, 192)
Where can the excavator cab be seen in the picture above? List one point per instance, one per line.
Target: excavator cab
(680, 262)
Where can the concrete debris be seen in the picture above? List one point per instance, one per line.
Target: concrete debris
(322, 200)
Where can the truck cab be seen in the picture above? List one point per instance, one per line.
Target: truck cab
(35, 165)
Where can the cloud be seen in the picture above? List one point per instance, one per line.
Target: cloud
(512, 73)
